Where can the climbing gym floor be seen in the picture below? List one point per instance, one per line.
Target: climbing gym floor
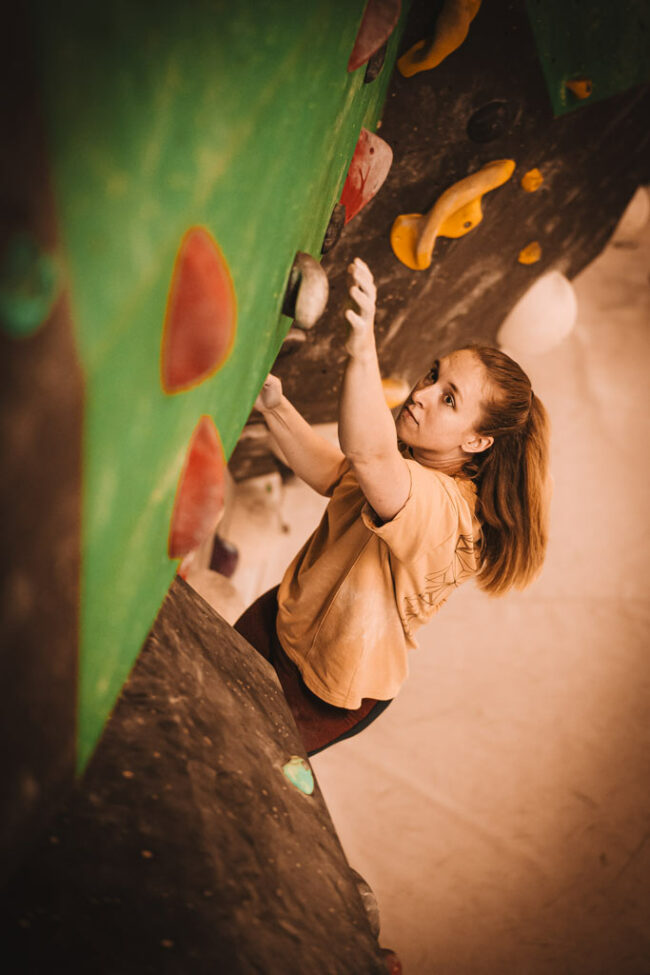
(499, 808)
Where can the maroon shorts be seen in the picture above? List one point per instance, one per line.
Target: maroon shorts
(320, 724)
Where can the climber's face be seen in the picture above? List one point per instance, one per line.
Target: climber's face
(440, 417)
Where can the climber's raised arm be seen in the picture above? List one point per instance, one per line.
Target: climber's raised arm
(366, 426)
(314, 459)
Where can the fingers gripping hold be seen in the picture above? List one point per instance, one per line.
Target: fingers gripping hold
(270, 394)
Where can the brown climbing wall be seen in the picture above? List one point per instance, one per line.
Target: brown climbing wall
(41, 404)
(187, 847)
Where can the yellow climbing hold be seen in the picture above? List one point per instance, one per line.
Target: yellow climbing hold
(532, 180)
(452, 27)
(580, 87)
(455, 213)
(530, 254)
(463, 220)
(395, 391)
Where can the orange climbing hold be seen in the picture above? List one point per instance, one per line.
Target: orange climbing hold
(532, 180)
(452, 28)
(201, 315)
(530, 254)
(455, 213)
(580, 87)
(395, 390)
(368, 170)
(201, 490)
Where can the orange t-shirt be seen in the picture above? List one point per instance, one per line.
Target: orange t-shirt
(352, 598)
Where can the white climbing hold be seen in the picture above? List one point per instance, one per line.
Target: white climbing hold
(307, 291)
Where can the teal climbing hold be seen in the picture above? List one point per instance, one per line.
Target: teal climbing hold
(299, 774)
(30, 283)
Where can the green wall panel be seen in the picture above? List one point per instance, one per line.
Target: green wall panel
(606, 42)
(241, 118)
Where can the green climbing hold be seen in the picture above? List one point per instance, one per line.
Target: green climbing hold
(299, 774)
(30, 283)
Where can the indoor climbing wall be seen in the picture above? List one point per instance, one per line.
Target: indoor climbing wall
(202, 848)
(174, 177)
(500, 175)
(191, 154)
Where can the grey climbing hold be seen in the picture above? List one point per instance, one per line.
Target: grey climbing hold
(369, 901)
(307, 291)
(334, 228)
(293, 340)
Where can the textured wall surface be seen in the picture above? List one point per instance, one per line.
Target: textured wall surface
(41, 409)
(185, 848)
(127, 127)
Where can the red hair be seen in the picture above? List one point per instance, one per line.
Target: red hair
(511, 477)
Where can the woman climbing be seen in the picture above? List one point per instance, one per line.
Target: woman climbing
(456, 487)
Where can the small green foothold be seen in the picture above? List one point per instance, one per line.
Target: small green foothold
(299, 774)
(30, 283)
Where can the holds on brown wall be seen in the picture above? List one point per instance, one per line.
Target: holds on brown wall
(451, 30)
(455, 213)
(592, 162)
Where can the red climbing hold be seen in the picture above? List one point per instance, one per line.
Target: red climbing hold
(369, 168)
(201, 488)
(378, 23)
(201, 313)
(392, 962)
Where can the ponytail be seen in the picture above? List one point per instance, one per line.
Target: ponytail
(511, 478)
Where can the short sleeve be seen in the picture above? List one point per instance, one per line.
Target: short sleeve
(344, 467)
(428, 518)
